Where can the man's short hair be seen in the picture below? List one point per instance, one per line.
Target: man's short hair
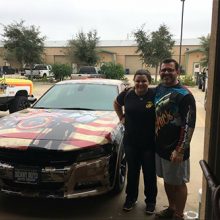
(143, 72)
(170, 60)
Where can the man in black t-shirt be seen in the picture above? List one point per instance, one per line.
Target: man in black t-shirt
(139, 121)
(175, 121)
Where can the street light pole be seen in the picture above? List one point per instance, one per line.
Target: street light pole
(181, 33)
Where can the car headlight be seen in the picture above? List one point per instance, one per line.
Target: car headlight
(94, 153)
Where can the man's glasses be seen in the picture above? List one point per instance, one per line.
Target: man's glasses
(169, 70)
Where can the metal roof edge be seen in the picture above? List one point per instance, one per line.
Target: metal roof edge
(116, 43)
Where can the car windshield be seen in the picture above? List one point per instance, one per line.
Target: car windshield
(79, 96)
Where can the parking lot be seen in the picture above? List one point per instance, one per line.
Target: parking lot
(108, 207)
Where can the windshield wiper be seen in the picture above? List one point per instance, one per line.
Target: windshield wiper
(40, 107)
(88, 109)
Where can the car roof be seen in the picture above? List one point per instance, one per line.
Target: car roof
(93, 81)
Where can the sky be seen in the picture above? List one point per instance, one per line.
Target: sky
(113, 19)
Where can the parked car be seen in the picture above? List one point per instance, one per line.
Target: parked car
(206, 91)
(87, 72)
(39, 71)
(202, 79)
(7, 70)
(15, 94)
(67, 145)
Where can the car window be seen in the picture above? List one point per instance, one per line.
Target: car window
(87, 70)
(36, 67)
(40, 67)
(93, 71)
(84, 70)
(85, 96)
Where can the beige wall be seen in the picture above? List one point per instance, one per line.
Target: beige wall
(192, 58)
(55, 50)
(121, 50)
(61, 59)
(186, 60)
(133, 63)
(106, 57)
(124, 55)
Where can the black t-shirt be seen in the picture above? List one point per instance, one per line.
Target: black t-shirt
(175, 120)
(139, 118)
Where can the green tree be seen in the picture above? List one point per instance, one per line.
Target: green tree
(205, 43)
(155, 46)
(23, 43)
(61, 71)
(10, 56)
(83, 48)
(112, 71)
(145, 46)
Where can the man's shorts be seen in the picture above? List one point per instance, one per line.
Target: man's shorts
(173, 173)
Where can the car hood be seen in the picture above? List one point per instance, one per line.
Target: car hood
(57, 129)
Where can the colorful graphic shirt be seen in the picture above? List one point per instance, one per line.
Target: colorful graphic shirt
(175, 120)
(139, 118)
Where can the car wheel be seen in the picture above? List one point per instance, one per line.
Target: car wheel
(44, 76)
(203, 87)
(200, 85)
(19, 103)
(120, 173)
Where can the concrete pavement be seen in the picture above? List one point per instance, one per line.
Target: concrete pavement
(197, 146)
(106, 207)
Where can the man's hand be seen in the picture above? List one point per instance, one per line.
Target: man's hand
(176, 157)
(122, 120)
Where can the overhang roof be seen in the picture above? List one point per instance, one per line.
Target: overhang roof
(194, 50)
(118, 43)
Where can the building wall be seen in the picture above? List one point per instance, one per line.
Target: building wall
(124, 55)
(133, 63)
(106, 57)
(186, 62)
(61, 59)
(191, 59)
(126, 50)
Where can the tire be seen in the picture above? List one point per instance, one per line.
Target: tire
(19, 103)
(203, 86)
(120, 173)
(200, 85)
(44, 76)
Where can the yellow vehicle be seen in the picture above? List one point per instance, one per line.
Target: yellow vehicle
(15, 94)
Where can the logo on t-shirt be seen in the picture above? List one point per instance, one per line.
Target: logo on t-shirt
(149, 104)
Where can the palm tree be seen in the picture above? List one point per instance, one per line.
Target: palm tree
(205, 42)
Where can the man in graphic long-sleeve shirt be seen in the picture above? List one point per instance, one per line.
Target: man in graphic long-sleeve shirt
(175, 122)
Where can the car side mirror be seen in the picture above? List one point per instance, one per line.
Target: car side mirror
(32, 99)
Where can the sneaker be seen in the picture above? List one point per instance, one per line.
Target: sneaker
(150, 208)
(165, 214)
(178, 217)
(129, 205)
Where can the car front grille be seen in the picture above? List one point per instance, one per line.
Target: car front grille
(40, 186)
(36, 157)
(44, 157)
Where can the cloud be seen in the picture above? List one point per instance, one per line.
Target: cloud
(115, 19)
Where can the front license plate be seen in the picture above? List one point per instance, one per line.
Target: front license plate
(26, 175)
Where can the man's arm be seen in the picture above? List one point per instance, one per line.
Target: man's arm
(188, 117)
